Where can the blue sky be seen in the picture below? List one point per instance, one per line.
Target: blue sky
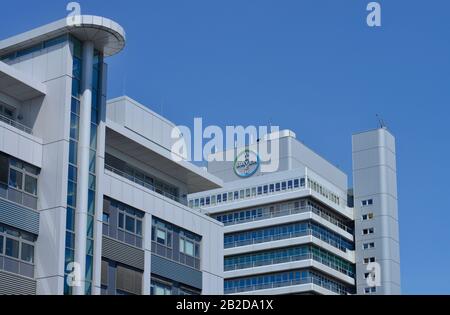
(312, 66)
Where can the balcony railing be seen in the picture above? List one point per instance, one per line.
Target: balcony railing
(151, 187)
(16, 124)
(286, 212)
(272, 238)
(279, 284)
(287, 259)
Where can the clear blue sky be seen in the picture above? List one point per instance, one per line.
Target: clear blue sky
(312, 66)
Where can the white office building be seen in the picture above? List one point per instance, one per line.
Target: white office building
(300, 230)
(88, 189)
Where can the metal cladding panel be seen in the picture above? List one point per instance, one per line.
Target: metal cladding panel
(19, 217)
(176, 272)
(123, 253)
(11, 284)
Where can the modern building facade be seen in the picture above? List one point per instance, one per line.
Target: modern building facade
(91, 201)
(300, 230)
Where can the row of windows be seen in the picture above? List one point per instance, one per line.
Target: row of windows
(16, 244)
(247, 193)
(19, 181)
(284, 255)
(282, 209)
(35, 48)
(122, 222)
(166, 287)
(163, 234)
(323, 191)
(283, 279)
(287, 231)
(367, 202)
(23, 176)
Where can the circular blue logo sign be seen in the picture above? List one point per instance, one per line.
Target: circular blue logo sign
(246, 164)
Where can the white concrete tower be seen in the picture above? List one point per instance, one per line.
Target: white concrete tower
(376, 213)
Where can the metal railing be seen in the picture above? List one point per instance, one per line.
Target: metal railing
(140, 182)
(16, 124)
(287, 259)
(271, 238)
(279, 284)
(289, 211)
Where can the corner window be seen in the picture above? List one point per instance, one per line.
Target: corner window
(27, 253)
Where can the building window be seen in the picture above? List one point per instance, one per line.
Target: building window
(160, 288)
(367, 202)
(164, 237)
(368, 216)
(175, 243)
(369, 260)
(20, 181)
(122, 222)
(368, 245)
(368, 231)
(17, 251)
(370, 290)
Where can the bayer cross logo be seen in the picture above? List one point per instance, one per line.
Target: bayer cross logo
(246, 164)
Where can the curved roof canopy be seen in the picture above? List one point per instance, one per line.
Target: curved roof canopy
(107, 35)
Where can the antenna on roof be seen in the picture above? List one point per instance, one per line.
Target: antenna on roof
(381, 122)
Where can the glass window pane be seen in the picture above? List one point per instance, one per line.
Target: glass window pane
(138, 227)
(181, 245)
(70, 219)
(15, 179)
(74, 124)
(27, 253)
(161, 236)
(93, 143)
(121, 220)
(129, 224)
(90, 226)
(12, 248)
(71, 194)
(73, 152)
(75, 88)
(31, 185)
(91, 202)
(1, 244)
(189, 248)
(75, 106)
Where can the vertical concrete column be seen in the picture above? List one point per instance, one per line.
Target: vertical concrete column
(146, 279)
(83, 163)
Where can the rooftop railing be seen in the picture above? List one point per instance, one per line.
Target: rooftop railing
(289, 211)
(16, 124)
(279, 284)
(147, 185)
(283, 236)
(287, 259)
